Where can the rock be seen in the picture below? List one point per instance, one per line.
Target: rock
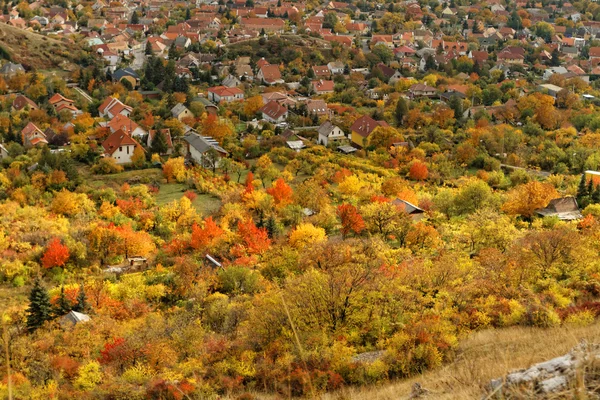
(418, 391)
(549, 376)
(368, 357)
(553, 384)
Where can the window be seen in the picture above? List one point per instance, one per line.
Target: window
(120, 148)
(127, 149)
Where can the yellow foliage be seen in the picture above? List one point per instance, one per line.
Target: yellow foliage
(90, 375)
(306, 234)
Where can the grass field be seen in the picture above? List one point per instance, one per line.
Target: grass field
(204, 203)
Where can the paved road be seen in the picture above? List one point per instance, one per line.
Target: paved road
(139, 57)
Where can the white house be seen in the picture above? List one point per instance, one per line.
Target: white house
(112, 107)
(120, 146)
(328, 131)
(203, 150)
(274, 112)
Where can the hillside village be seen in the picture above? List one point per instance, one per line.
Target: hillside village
(251, 199)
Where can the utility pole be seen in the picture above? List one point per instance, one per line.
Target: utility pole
(7, 358)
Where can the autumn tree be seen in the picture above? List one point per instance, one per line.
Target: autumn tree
(202, 237)
(351, 220)
(252, 105)
(56, 254)
(256, 240)
(306, 234)
(525, 199)
(418, 170)
(384, 136)
(40, 309)
(138, 159)
(174, 170)
(281, 192)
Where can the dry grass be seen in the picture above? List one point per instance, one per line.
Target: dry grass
(35, 50)
(480, 358)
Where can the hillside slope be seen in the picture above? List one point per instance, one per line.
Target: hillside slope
(482, 357)
(36, 51)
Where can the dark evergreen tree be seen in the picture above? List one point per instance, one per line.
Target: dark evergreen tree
(63, 306)
(555, 60)
(582, 188)
(149, 51)
(40, 309)
(188, 14)
(596, 195)
(159, 142)
(401, 110)
(590, 188)
(271, 227)
(82, 304)
(456, 105)
(135, 18)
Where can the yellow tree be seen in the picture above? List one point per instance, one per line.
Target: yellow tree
(305, 235)
(525, 199)
(252, 105)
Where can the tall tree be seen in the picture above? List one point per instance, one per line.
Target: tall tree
(63, 305)
(159, 142)
(82, 304)
(401, 110)
(135, 18)
(40, 309)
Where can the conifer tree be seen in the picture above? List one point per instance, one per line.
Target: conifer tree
(582, 189)
(63, 306)
(40, 309)
(596, 195)
(159, 142)
(271, 227)
(82, 304)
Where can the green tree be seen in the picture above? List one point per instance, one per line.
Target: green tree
(159, 142)
(63, 306)
(149, 51)
(135, 18)
(40, 309)
(82, 304)
(401, 110)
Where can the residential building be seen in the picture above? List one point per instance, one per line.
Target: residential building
(225, 94)
(329, 132)
(362, 128)
(120, 146)
(274, 112)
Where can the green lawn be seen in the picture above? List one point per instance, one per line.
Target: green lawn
(144, 176)
(204, 203)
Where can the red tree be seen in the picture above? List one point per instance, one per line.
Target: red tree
(56, 254)
(281, 192)
(418, 171)
(256, 240)
(202, 237)
(352, 221)
(248, 183)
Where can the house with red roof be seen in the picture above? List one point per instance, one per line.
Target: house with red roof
(21, 102)
(269, 74)
(128, 126)
(323, 87)
(225, 94)
(362, 129)
(33, 136)
(111, 107)
(274, 112)
(120, 146)
(59, 100)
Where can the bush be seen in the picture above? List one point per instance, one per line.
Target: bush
(107, 166)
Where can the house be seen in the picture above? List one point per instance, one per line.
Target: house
(415, 212)
(112, 107)
(225, 94)
(231, 81)
(120, 146)
(321, 71)
(323, 87)
(275, 25)
(274, 112)
(210, 107)
(421, 90)
(126, 74)
(203, 150)
(390, 74)
(22, 102)
(512, 55)
(362, 128)
(336, 67)
(317, 107)
(3, 152)
(180, 112)
(328, 131)
(10, 69)
(167, 135)
(126, 125)
(565, 208)
(269, 74)
(74, 318)
(58, 101)
(551, 89)
(33, 136)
